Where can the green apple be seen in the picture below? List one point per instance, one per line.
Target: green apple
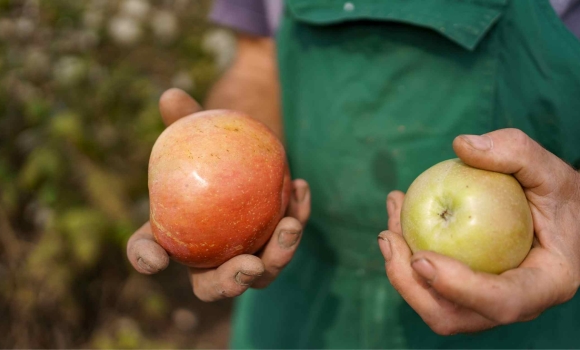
(479, 217)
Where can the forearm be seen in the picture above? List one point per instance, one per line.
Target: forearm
(251, 84)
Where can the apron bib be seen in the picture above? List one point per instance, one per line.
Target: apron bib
(374, 93)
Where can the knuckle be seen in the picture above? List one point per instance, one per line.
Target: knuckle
(520, 139)
(517, 135)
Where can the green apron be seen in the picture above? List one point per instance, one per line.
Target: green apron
(374, 91)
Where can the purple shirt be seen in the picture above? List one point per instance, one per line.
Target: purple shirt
(256, 17)
(261, 17)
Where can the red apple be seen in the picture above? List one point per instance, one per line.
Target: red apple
(218, 186)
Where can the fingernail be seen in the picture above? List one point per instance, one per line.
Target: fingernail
(243, 279)
(425, 269)
(142, 264)
(300, 194)
(481, 143)
(387, 253)
(287, 239)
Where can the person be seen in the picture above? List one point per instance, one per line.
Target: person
(373, 93)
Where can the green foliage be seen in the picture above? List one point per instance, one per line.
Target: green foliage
(79, 85)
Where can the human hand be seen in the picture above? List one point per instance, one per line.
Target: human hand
(241, 272)
(448, 295)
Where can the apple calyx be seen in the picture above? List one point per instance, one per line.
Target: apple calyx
(446, 215)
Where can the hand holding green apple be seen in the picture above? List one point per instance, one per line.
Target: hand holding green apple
(448, 294)
(478, 217)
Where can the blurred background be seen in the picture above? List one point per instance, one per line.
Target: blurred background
(79, 86)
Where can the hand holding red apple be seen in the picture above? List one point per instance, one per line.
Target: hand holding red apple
(239, 273)
(449, 296)
(219, 184)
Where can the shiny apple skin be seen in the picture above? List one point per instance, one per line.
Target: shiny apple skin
(479, 217)
(218, 184)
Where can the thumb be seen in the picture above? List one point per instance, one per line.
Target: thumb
(511, 151)
(175, 104)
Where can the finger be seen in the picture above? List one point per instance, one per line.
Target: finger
(299, 205)
(394, 205)
(279, 250)
(511, 151)
(442, 316)
(397, 257)
(144, 253)
(175, 104)
(229, 280)
(516, 295)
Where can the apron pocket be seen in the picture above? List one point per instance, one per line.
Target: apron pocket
(463, 22)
